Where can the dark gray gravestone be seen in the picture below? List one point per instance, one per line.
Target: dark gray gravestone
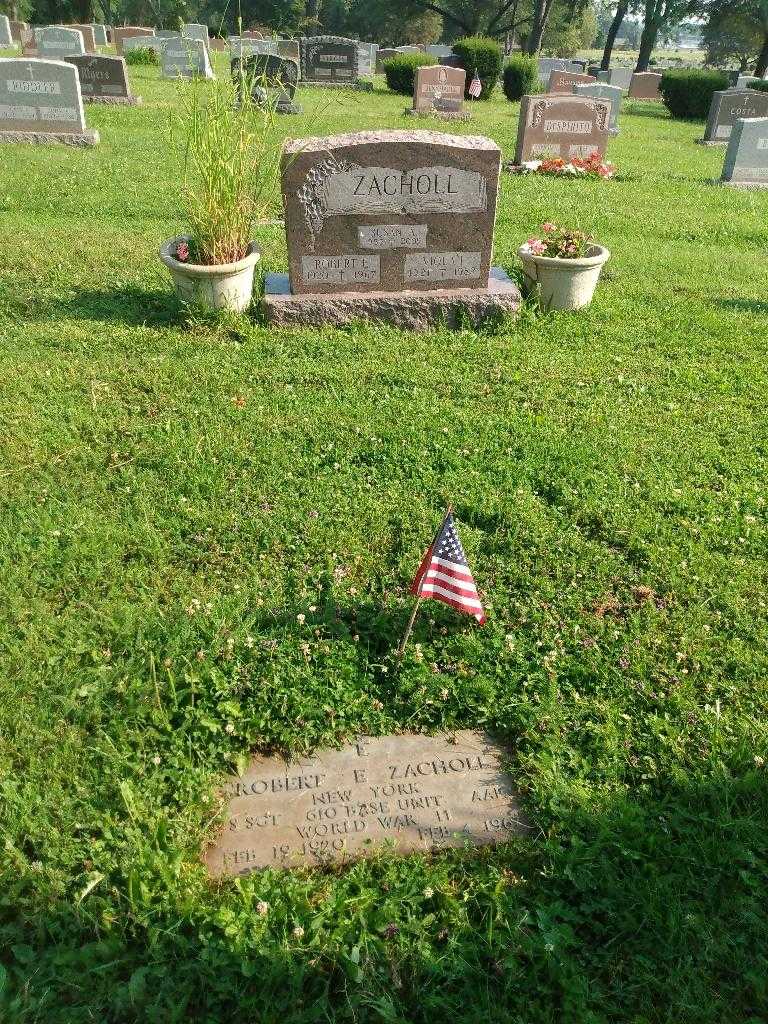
(600, 91)
(104, 80)
(725, 110)
(746, 159)
(40, 101)
(272, 80)
(384, 54)
(331, 61)
(398, 794)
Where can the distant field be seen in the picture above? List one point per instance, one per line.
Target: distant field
(207, 529)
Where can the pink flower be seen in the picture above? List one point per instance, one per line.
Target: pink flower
(536, 246)
(548, 226)
(182, 252)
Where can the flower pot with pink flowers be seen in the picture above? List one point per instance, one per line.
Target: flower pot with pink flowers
(562, 267)
(230, 169)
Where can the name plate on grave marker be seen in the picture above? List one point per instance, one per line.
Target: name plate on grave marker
(411, 793)
(392, 236)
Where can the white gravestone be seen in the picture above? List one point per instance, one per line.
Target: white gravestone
(185, 58)
(601, 91)
(195, 31)
(746, 159)
(99, 34)
(54, 42)
(6, 39)
(40, 101)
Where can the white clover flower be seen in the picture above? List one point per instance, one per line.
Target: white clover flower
(262, 908)
(298, 932)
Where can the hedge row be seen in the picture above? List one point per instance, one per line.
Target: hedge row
(688, 93)
(400, 71)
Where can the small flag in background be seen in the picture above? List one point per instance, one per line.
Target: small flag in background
(444, 573)
(475, 87)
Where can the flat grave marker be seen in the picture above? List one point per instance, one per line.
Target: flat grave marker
(644, 85)
(40, 101)
(561, 126)
(746, 159)
(403, 794)
(393, 225)
(728, 105)
(564, 81)
(438, 91)
(104, 80)
(612, 94)
(55, 43)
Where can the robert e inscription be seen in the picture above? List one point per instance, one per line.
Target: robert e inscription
(418, 793)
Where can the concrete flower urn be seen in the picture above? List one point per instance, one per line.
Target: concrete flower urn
(221, 286)
(562, 283)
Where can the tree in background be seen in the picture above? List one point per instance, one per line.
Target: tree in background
(492, 18)
(379, 21)
(662, 14)
(737, 30)
(613, 27)
(570, 28)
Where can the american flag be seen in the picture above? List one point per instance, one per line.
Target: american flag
(475, 87)
(444, 573)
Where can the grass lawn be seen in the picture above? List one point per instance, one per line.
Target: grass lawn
(175, 495)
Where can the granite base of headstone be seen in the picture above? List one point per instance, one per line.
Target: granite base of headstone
(390, 225)
(396, 795)
(746, 159)
(40, 102)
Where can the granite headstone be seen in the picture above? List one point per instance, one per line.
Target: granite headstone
(54, 42)
(40, 101)
(100, 34)
(6, 39)
(125, 32)
(89, 36)
(564, 81)
(104, 80)
(185, 58)
(440, 90)
(272, 80)
(330, 61)
(644, 85)
(727, 106)
(561, 126)
(746, 159)
(611, 93)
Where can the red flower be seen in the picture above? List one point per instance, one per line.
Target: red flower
(182, 252)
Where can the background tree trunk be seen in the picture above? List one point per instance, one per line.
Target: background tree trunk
(613, 31)
(541, 11)
(762, 61)
(647, 43)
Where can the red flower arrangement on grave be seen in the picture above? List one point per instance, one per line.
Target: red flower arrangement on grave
(560, 243)
(592, 166)
(182, 252)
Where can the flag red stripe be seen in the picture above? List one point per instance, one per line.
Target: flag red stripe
(460, 572)
(480, 615)
(434, 589)
(432, 576)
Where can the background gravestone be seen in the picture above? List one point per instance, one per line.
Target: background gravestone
(89, 37)
(561, 126)
(367, 58)
(746, 159)
(40, 101)
(54, 42)
(383, 54)
(611, 93)
(439, 50)
(104, 80)
(185, 58)
(6, 39)
(547, 65)
(728, 105)
(100, 34)
(332, 61)
(564, 81)
(152, 43)
(389, 225)
(271, 79)
(439, 91)
(18, 28)
(620, 76)
(196, 31)
(126, 32)
(410, 792)
(644, 85)
(289, 48)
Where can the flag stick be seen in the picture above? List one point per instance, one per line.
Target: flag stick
(409, 627)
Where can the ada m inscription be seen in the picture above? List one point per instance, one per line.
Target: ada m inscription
(415, 793)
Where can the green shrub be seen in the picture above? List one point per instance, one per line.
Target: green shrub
(688, 93)
(521, 77)
(760, 86)
(401, 70)
(141, 56)
(476, 53)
